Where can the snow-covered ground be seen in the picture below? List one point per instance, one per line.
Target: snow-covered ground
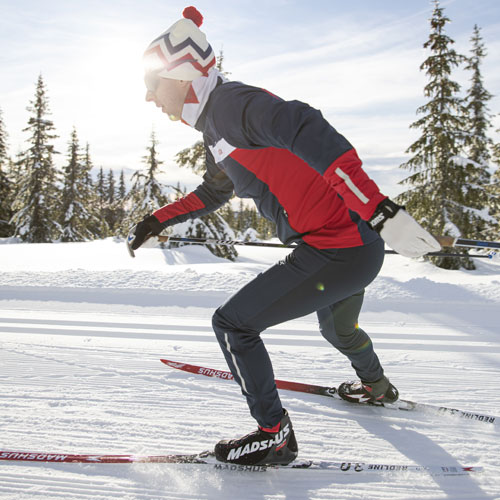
(83, 327)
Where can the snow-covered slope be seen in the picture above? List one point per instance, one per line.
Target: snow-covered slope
(83, 327)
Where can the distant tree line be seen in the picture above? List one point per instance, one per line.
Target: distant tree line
(450, 188)
(40, 203)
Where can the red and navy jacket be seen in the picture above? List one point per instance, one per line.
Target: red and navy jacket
(301, 173)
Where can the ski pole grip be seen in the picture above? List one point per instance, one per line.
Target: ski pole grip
(445, 241)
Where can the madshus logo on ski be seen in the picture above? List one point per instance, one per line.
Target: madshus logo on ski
(209, 372)
(280, 438)
(33, 457)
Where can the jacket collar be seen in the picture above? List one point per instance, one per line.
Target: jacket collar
(198, 95)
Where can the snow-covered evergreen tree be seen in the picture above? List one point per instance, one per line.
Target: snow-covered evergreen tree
(494, 189)
(101, 188)
(6, 185)
(193, 158)
(478, 116)
(97, 225)
(3, 143)
(478, 144)
(110, 214)
(119, 206)
(87, 167)
(37, 200)
(147, 193)
(209, 226)
(101, 203)
(440, 192)
(78, 219)
(122, 187)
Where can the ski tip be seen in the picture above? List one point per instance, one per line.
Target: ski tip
(172, 364)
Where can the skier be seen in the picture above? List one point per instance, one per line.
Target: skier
(307, 178)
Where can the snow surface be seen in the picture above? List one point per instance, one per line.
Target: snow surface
(83, 327)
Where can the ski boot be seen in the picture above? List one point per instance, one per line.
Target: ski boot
(264, 446)
(379, 392)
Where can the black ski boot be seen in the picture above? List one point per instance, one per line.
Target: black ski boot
(379, 392)
(261, 447)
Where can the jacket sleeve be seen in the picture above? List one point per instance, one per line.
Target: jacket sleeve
(215, 190)
(258, 119)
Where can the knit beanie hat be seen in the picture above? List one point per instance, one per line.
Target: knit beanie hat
(182, 52)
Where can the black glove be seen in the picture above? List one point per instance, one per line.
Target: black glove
(149, 226)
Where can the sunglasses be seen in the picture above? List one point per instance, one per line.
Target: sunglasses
(152, 80)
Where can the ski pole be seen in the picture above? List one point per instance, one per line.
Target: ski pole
(446, 241)
(450, 241)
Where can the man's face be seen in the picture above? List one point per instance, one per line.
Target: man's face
(167, 94)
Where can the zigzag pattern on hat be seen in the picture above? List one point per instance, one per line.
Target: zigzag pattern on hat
(171, 64)
(188, 42)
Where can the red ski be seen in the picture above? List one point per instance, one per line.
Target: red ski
(400, 404)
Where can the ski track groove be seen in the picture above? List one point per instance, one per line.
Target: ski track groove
(59, 486)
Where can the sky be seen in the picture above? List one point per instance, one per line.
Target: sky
(358, 62)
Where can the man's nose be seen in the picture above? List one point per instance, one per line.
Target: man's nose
(149, 96)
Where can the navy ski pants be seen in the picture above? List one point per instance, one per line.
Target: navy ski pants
(329, 282)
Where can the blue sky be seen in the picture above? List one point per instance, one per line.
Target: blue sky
(356, 61)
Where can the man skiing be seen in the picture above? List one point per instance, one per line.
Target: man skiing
(307, 178)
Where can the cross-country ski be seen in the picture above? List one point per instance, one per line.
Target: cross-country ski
(208, 459)
(332, 392)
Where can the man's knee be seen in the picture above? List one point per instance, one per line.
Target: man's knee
(230, 329)
(220, 322)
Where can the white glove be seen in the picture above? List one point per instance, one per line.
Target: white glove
(401, 231)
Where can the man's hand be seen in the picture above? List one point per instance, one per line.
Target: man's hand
(149, 226)
(401, 231)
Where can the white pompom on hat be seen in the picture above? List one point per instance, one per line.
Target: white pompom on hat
(182, 52)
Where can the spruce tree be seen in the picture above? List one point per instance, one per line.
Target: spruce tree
(38, 197)
(193, 158)
(6, 185)
(120, 212)
(3, 143)
(110, 188)
(437, 193)
(147, 193)
(101, 203)
(477, 146)
(101, 191)
(77, 218)
(122, 188)
(97, 225)
(87, 167)
(477, 112)
(494, 191)
(110, 214)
